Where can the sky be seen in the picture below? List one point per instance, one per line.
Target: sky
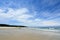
(30, 12)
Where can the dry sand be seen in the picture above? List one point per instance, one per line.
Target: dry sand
(27, 34)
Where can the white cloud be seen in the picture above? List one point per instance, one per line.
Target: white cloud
(1, 10)
(50, 23)
(21, 15)
(48, 15)
(45, 14)
(54, 15)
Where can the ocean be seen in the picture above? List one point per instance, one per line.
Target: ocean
(51, 29)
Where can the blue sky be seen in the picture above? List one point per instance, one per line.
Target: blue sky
(30, 12)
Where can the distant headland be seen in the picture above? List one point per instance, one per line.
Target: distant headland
(7, 25)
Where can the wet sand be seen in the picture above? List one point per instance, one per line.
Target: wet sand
(27, 34)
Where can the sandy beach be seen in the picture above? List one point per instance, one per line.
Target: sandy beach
(27, 34)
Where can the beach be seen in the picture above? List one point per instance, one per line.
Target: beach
(27, 34)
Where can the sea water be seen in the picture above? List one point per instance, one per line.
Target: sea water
(51, 29)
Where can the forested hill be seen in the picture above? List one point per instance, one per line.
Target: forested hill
(7, 25)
